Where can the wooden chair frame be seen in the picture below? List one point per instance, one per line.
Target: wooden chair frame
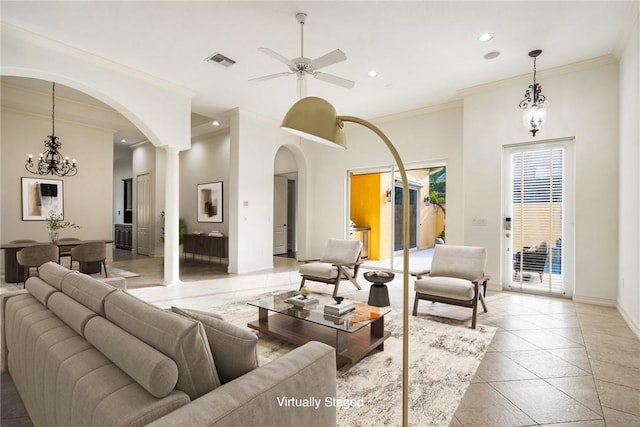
(472, 303)
(342, 275)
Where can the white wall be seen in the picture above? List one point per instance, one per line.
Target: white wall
(206, 161)
(87, 196)
(433, 134)
(254, 143)
(584, 104)
(629, 231)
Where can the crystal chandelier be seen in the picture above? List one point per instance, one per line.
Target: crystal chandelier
(51, 161)
(534, 104)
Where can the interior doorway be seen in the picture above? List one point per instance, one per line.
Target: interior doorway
(285, 204)
(143, 214)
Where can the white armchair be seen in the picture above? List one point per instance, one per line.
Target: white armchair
(340, 261)
(456, 275)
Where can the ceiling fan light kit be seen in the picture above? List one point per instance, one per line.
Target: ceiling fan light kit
(303, 66)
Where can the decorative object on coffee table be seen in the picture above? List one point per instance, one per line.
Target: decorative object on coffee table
(378, 293)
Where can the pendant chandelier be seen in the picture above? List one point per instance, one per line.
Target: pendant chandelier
(534, 104)
(51, 161)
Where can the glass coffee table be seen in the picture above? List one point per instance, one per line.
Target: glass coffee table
(353, 335)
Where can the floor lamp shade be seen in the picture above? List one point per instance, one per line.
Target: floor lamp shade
(315, 119)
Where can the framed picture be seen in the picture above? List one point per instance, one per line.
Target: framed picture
(40, 197)
(210, 202)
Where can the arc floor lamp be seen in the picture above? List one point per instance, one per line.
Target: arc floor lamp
(316, 120)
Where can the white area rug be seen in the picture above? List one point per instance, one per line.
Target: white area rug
(443, 358)
(116, 272)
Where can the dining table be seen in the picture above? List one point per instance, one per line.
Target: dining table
(11, 273)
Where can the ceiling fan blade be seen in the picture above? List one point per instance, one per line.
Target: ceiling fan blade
(270, 76)
(330, 78)
(328, 59)
(277, 56)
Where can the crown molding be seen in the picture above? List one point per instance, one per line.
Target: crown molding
(626, 28)
(458, 103)
(211, 134)
(557, 71)
(21, 34)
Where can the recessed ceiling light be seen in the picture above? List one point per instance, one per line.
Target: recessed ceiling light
(485, 37)
(491, 55)
(215, 123)
(372, 73)
(123, 140)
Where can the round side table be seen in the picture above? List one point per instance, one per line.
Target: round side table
(378, 293)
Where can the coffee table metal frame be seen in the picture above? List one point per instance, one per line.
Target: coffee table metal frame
(357, 335)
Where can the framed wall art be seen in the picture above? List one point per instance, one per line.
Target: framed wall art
(210, 202)
(40, 197)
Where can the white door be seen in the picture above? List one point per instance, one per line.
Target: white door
(538, 206)
(280, 188)
(143, 213)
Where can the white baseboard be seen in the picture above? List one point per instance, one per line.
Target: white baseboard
(632, 325)
(595, 300)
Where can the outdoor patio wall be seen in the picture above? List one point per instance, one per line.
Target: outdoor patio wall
(591, 116)
(87, 196)
(629, 231)
(432, 134)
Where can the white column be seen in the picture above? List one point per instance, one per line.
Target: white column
(171, 215)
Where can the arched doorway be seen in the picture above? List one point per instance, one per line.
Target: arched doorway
(285, 203)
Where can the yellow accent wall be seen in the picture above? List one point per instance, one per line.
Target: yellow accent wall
(367, 210)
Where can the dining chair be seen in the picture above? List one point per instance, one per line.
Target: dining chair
(65, 251)
(90, 252)
(34, 256)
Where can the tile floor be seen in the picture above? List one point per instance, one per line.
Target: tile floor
(552, 362)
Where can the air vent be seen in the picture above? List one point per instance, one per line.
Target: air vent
(219, 58)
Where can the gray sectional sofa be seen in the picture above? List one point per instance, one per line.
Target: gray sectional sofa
(83, 353)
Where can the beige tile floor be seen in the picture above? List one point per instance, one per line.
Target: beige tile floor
(552, 361)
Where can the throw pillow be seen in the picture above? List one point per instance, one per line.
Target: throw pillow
(234, 350)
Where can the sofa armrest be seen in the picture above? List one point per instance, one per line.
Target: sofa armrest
(3, 345)
(293, 390)
(308, 260)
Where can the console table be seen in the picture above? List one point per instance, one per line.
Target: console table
(202, 244)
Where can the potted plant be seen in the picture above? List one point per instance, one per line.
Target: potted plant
(182, 227)
(55, 223)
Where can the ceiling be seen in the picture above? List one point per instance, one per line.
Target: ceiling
(425, 52)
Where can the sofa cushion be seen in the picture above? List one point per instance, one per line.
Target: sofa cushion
(87, 291)
(53, 274)
(235, 350)
(182, 339)
(40, 289)
(71, 312)
(447, 287)
(154, 371)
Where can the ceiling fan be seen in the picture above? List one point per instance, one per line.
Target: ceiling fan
(302, 66)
